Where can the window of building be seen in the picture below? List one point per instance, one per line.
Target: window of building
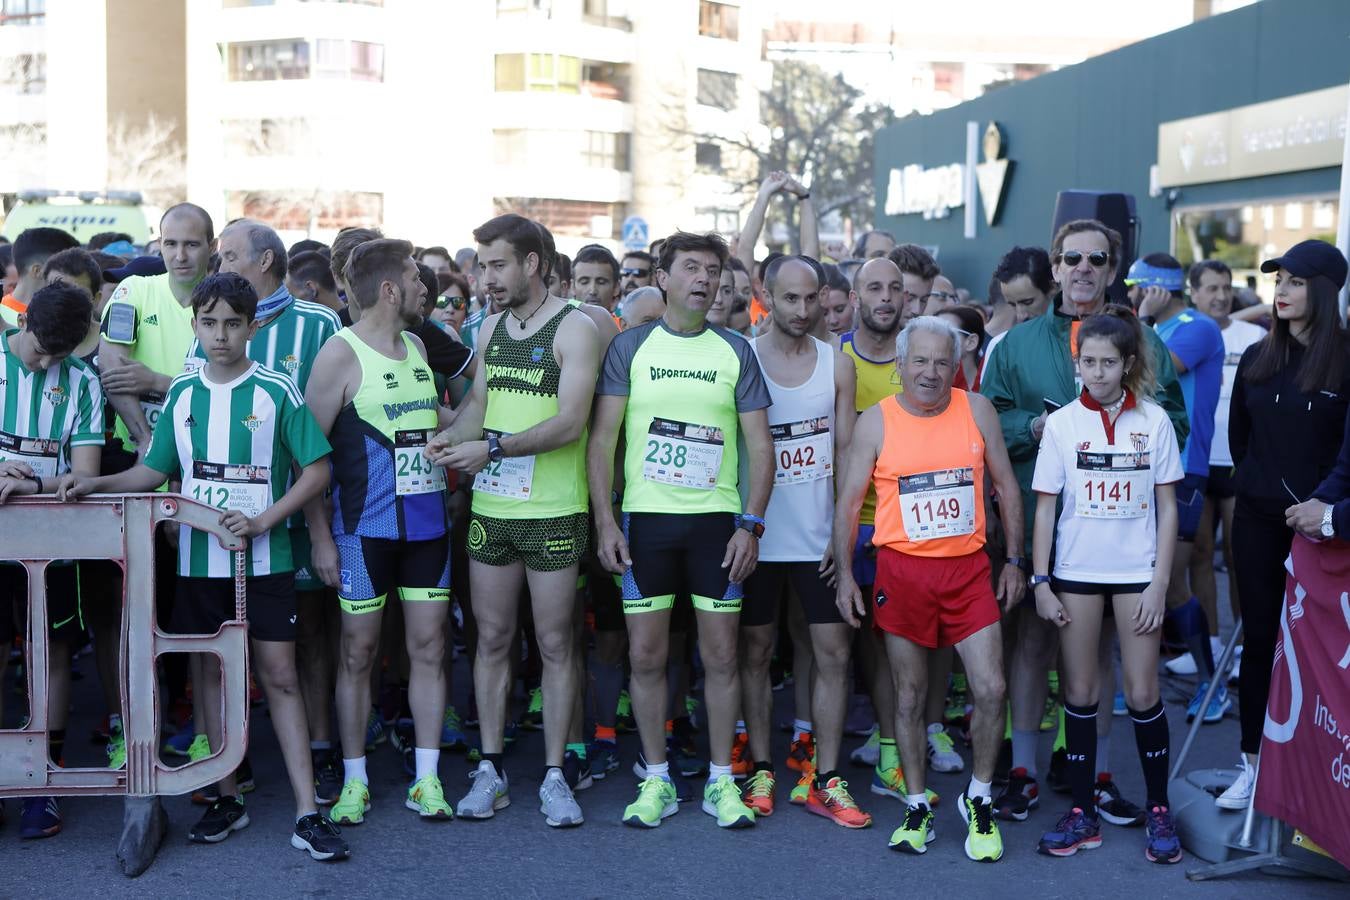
(291, 136)
(1242, 236)
(606, 14)
(723, 221)
(606, 150)
(604, 80)
(306, 211)
(538, 72)
(367, 61)
(22, 12)
(330, 58)
(575, 218)
(718, 20)
(281, 60)
(708, 156)
(716, 89)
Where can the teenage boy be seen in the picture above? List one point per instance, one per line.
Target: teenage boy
(231, 431)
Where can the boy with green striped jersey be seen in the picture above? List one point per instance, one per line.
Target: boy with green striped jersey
(290, 333)
(523, 433)
(683, 393)
(231, 431)
(51, 423)
(372, 391)
(147, 325)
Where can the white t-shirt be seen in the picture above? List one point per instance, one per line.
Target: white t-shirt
(1107, 532)
(1237, 337)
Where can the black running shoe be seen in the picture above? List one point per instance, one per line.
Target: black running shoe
(1114, 808)
(1057, 779)
(320, 838)
(327, 776)
(224, 816)
(577, 771)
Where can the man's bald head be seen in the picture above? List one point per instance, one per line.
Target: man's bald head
(646, 304)
(193, 210)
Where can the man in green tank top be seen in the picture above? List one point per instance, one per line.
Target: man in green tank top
(523, 433)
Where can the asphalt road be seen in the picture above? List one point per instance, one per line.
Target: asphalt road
(791, 854)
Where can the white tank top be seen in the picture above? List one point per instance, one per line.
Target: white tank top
(801, 422)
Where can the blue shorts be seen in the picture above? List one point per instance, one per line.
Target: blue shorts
(1190, 502)
(865, 557)
(372, 567)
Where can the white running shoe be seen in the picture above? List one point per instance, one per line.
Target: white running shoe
(942, 755)
(1239, 793)
(869, 754)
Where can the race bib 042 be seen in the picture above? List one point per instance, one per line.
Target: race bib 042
(803, 451)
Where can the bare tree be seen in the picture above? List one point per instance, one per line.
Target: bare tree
(147, 156)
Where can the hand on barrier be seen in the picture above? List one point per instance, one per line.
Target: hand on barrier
(242, 525)
(15, 469)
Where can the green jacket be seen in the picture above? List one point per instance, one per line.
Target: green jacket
(1033, 364)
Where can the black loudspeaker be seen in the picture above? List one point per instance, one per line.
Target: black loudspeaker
(1114, 210)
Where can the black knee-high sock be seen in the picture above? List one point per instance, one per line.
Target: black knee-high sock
(1150, 735)
(1080, 743)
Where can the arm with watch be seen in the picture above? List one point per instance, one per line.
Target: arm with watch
(743, 548)
(1328, 515)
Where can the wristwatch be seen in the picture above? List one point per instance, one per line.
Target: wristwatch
(752, 524)
(1019, 561)
(495, 453)
(1328, 526)
(1037, 579)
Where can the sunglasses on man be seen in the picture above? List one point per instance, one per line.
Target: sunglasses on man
(1097, 258)
(635, 273)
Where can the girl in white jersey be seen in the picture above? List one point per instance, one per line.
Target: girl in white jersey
(1111, 457)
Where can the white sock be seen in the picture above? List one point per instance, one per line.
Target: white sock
(740, 726)
(427, 760)
(800, 725)
(978, 788)
(715, 771)
(658, 770)
(916, 799)
(935, 728)
(355, 770)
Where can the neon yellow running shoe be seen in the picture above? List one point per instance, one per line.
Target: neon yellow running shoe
(891, 783)
(426, 799)
(722, 800)
(117, 748)
(915, 832)
(352, 805)
(200, 748)
(655, 801)
(801, 791)
(983, 841)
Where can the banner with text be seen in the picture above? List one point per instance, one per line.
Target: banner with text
(1305, 753)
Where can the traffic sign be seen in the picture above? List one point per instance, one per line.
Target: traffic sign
(635, 233)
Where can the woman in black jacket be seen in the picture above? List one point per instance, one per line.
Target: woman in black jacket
(1288, 412)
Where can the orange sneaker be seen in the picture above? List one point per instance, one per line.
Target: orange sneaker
(803, 787)
(834, 802)
(801, 751)
(758, 793)
(741, 764)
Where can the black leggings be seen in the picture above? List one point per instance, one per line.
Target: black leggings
(1261, 544)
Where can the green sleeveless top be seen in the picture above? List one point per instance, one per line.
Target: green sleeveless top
(522, 391)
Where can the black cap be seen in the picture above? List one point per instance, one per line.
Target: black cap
(141, 265)
(1308, 258)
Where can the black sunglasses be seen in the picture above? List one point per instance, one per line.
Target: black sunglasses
(1098, 258)
(456, 302)
(637, 273)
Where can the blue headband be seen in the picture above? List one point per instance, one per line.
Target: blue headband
(1145, 275)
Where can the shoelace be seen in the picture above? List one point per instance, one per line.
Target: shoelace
(1160, 823)
(914, 817)
(652, 785)
(983, 814)
(452, 720)
(838, 795)
(943, 740)
(759, 785)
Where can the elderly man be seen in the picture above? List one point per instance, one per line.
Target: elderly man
(926, 450)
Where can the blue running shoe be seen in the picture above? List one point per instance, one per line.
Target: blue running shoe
(1118, 708)
(178, 744)
(1164, 846)
(604, 758)
(374, 730)
(1076, 830)
(452, 732)
(1193, 708)
(40, 818)
(1219, 705)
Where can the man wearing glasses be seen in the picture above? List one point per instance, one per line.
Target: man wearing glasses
(635, 272)
(1034, 373)
(942, 296)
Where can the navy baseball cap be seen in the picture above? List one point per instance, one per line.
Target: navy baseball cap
(1308, 258)
(141, 265)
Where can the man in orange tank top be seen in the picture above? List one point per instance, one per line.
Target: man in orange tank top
(926, 450)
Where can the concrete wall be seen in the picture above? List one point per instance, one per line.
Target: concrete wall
(1094, 126)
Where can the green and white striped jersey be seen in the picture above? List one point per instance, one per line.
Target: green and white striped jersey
(233, 445)
(288, 343)
(44, 414)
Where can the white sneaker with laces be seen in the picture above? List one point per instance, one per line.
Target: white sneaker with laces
(942, 755)
(1239, 793)
(869, 754)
